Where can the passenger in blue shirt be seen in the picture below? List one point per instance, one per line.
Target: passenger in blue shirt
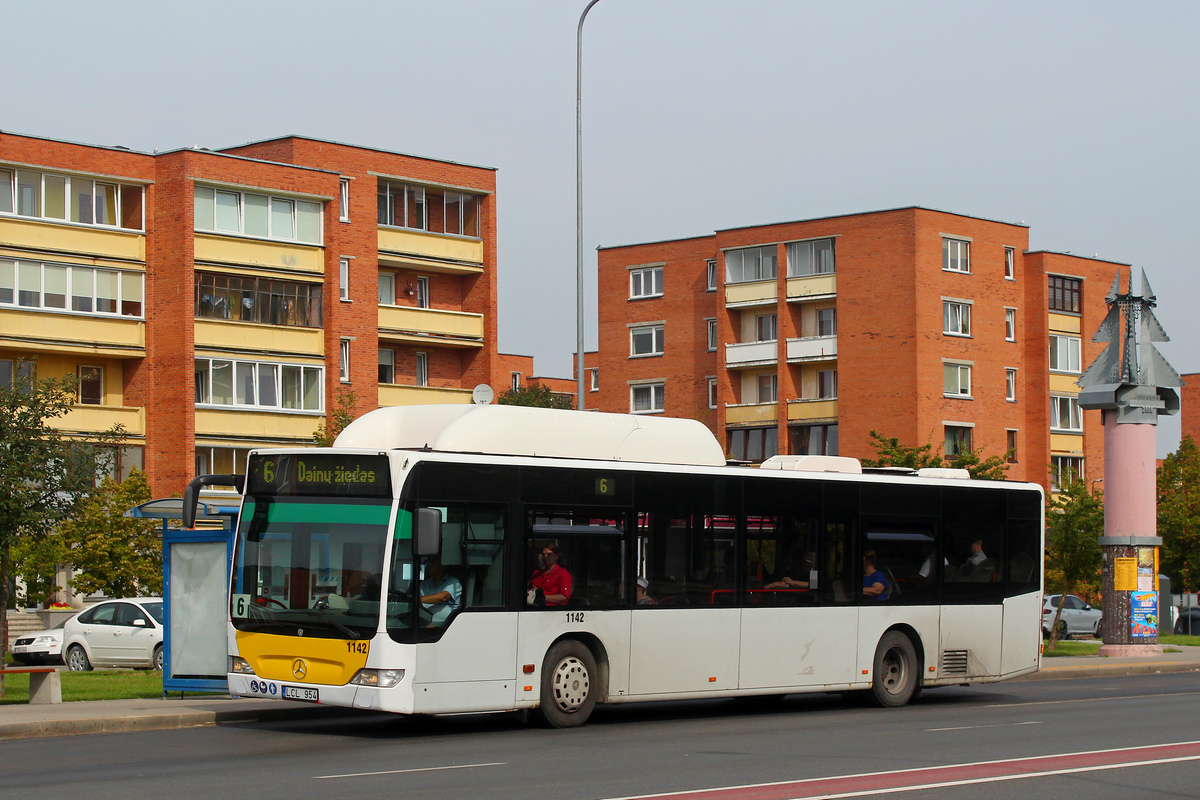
(875, 586)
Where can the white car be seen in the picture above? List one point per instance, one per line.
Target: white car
(43, 647)
(115, 633)
(1077, 617)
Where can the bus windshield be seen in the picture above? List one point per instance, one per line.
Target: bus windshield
(310, 566)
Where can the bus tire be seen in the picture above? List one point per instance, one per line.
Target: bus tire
(569, 686)
(895, 674)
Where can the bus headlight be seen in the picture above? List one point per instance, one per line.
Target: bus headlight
(240, 666)
(380, 678)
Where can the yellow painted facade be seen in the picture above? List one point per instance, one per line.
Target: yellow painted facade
(744, 415)
(1064, 323)
(47, 235)
(252, 337)
(46, 331)
(257, 253)
(1063, 384)
(811, 286)
(395, 244)
(395, 395)
(1066, 444)
(240, 426)
(406, 319)
(97, 419)
(752, 292)
(805, 410)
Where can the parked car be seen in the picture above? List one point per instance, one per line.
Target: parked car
(115, 633)
(43, 647)
(1188, 623)
(1078, 618)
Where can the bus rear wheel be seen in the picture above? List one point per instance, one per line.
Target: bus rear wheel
(896, 673)
(568, 685)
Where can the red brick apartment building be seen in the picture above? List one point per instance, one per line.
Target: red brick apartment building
(803, 337)
(216, 301)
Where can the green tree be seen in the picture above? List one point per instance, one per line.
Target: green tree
(1179, 515)
(36, 558)
(537, 395)
(1074, 523)
(110, 552)
(890, 453)
(328, 429)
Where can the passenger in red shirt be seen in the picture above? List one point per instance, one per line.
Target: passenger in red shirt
(550, 584)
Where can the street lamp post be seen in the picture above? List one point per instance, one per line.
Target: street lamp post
(579, 208)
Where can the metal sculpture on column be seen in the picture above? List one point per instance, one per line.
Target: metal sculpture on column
(1132, 384)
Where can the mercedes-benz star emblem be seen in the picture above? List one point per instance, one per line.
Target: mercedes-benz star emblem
(299, 669)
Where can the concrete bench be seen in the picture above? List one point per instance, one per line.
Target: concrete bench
(45, 685)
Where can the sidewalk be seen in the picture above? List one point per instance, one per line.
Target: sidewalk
(107, 716)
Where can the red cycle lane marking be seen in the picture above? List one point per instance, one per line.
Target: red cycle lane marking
(930, 777)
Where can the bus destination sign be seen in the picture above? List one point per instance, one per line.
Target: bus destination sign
(321, 474)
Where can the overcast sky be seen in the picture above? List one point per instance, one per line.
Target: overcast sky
(1078, 118)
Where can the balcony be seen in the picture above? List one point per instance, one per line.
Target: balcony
(49, 332)
(751, 413)
(211, 248)
(245, 425)
(751, 354)
(753, 293)
(62, 237)
(812, 410)
(431, 327)
(811, 287)
(393, 395)
(253, 337)
(430, 252)
(812, 348)
(97, 419)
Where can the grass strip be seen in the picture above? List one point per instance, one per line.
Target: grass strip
(98, 685)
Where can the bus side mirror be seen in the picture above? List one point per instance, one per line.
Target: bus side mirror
(429, 532)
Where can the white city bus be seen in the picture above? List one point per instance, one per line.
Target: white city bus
(754, 578)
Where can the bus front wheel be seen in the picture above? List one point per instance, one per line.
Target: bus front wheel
(568, 685)
(895, 675)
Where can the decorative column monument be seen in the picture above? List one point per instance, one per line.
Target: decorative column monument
(1132, 384)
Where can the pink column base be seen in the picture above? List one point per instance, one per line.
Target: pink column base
(1122, 650)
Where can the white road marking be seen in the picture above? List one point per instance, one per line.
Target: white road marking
(418, 769)
(974, 727)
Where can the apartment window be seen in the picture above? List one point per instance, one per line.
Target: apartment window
(422, 292)
(387, 365)
(71, 198)
(221, 460)
(958, 440)
(425, 208)
(58, 287)
(1065, 354)
(344, 278)
(768, 388)
(646, 340)
(594, 380)
(245, 298)
(646, 282)
(1010, 324)
(344, 200)
(1010, 264)
(827, 322)
(814, 440)
(1011, 447)
(344, 361)
(827, 384)
(810, 258)
(1065, 294)
(712, 275)
(647, 398)
(258, 215)
(1010, 385)
(750, 264)
(11, 371)
(712, 392)
(91, 386)
(387, 288)
(712, 334)
(956, 380)
(1065, 414)
(956, 317)
(766, 327)
(1064, 470)
(258, 384)
(956, 255)
(422, 369)
(753, 444)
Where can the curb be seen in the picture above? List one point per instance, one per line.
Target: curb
(1142, 668)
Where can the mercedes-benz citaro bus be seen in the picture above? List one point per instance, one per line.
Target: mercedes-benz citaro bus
(471, 558)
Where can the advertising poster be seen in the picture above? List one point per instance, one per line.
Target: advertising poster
(1144, 621)
(1146, 568)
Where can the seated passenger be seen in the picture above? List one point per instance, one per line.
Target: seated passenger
(550, 584)
(875, 587)
(642, 598)
(440, 591)
(785, 579)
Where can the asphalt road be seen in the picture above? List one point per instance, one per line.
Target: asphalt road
(1117, 737)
